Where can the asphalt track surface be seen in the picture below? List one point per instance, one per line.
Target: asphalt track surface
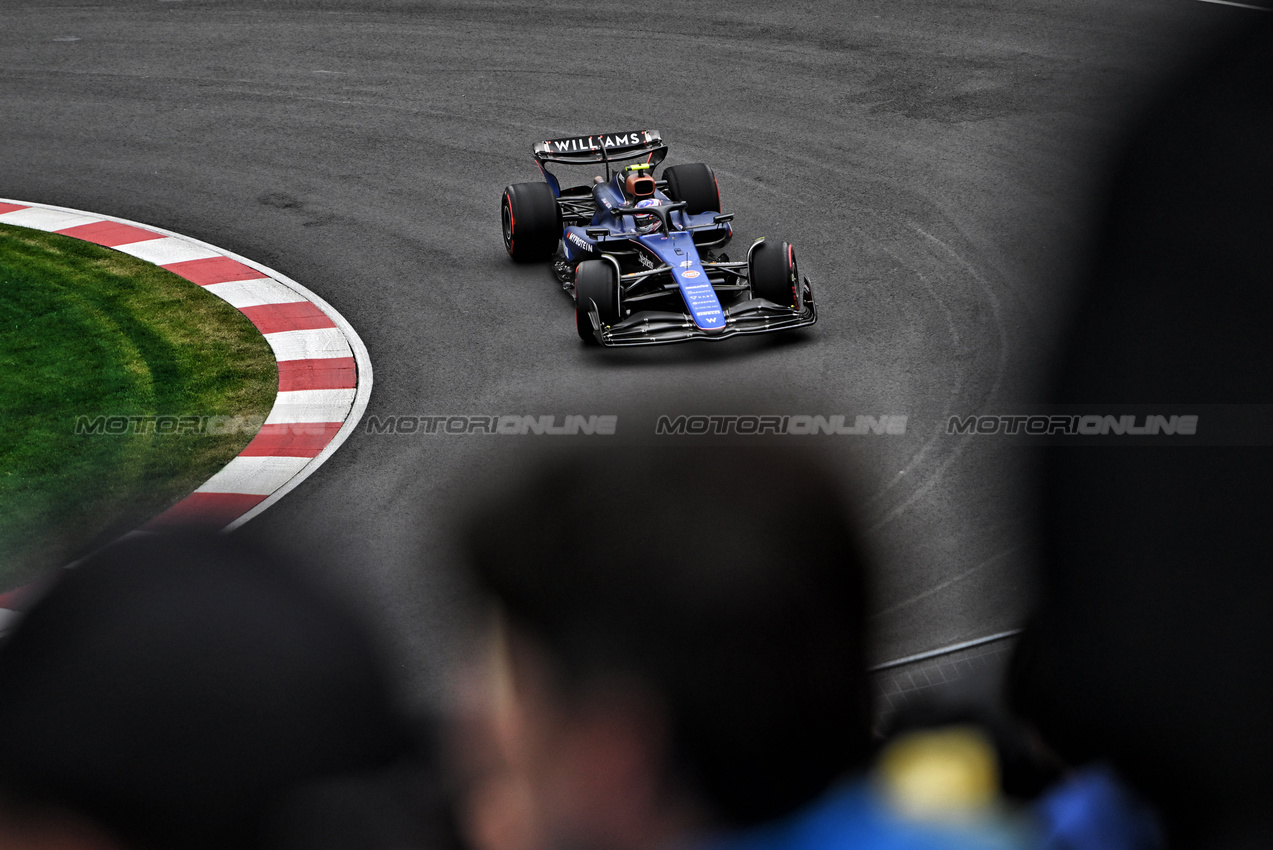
(932, 163)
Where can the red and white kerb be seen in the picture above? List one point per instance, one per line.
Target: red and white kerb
(324, 373)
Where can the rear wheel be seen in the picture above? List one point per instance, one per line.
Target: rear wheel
(596, 282)
(774, 276)
(531, 221)
(695, 184)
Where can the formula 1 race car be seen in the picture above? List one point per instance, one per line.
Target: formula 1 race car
(637, 252)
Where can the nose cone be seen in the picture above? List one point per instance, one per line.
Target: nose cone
(699, 297)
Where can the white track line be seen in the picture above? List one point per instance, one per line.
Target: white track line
(945, 650)
(1239, 5)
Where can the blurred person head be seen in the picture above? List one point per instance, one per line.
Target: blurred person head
(184, 692)
(1151, 644)
(680, 640)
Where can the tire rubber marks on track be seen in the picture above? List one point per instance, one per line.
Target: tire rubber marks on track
(324, 373)
(1001, 369)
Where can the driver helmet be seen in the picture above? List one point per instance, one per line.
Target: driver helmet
(647, 223)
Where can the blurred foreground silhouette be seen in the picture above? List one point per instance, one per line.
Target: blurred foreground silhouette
(676, 658)
(192, 692)
(1151, 647)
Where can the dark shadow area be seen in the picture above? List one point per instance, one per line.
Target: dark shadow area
(1151, 647)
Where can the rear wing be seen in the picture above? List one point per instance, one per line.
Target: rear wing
(601, 148)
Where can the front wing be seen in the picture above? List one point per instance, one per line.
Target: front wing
(656, 327)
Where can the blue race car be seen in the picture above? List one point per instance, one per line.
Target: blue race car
(638, 253)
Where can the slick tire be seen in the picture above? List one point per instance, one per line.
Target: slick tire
(531, 221)
(774, 275)
(596, 281)
(695, 184)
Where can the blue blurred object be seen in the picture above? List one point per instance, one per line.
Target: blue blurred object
(853, 815)
(1092, 809)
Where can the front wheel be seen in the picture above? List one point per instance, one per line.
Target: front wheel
(595, 282)
(774, 276)
(531, 221)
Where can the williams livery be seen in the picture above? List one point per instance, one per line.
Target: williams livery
(639, 253)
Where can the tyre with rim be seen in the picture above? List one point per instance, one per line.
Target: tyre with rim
(595, 283)
(774, 276)
(531, 221)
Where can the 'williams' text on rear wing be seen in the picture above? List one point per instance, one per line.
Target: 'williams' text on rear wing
(600, 148)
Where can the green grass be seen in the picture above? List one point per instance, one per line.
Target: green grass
(85, 332)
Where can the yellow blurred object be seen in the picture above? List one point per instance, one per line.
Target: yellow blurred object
(947, 774)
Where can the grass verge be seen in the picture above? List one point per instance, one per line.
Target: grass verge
(87, 332)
